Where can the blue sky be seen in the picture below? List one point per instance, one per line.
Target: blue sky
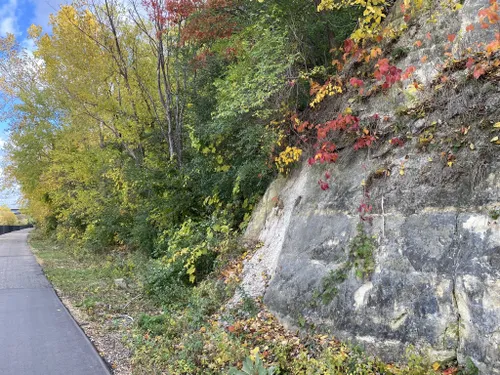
(16, 16)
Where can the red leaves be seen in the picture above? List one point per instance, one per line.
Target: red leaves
(387, 72)
(356, 82)
(201, 20)
(342, 122)
(365, 208)
(364, 141)
(323, 185)
(326, 151)
(451, 38)
(326, 154)
(470, 63)
(211, 21)
(470, 28)
(163, 12)
(397, 142)
(348, 45)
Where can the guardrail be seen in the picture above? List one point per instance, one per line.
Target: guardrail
(11, 228)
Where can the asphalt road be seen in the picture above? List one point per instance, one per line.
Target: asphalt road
(38, 336)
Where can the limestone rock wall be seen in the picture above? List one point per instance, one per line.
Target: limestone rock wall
(436, 234)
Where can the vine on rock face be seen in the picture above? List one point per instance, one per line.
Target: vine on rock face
(385, 73)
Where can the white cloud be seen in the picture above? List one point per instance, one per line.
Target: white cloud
(7, 26)
(8, 19)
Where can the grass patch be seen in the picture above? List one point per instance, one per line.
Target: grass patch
(88, 280)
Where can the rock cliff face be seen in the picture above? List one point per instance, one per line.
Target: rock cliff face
(433, 233)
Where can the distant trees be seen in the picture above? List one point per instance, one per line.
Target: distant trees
(7, 217)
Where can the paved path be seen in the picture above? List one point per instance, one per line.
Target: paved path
(37, 334)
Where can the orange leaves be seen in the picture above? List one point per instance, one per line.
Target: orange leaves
(418, 43)
(423, 60)
(375, 52)
(494, 45)
(470, 28)
(314, 87)
(408, 72)
(336, 63)
(451, 38)
(490, 14)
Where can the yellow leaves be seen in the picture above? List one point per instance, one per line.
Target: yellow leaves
(369, 23)
(426, 139)
(436, 366)
(254, 352)
(328, 89)
(34, 31)
(496, 139)
(287, 157)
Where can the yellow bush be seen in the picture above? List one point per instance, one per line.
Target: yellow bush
(7, 217)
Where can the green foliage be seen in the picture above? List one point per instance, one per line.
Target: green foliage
(399, 52)
(154, 325)
(362, 247)
(252, 367)
(330, 283)
(361, 259)
(494, 214)
(470, 368)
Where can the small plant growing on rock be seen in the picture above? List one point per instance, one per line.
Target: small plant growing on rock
(331, 282)
(494, 214)
(362, 247)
